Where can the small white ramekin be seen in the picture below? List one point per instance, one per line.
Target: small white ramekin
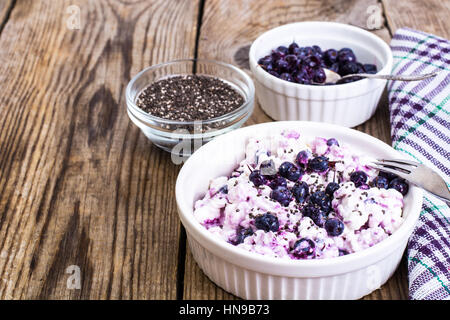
(253, 276)
(347, 104)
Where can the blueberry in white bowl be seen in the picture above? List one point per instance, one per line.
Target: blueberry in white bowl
(289, 65)
(307, 65)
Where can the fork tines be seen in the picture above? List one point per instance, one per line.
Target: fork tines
(399, 167)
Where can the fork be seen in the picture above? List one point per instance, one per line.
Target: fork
(416, 173)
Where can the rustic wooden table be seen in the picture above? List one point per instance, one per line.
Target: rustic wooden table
(79, 184)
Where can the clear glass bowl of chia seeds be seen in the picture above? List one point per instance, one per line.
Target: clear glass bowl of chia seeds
(184, 137)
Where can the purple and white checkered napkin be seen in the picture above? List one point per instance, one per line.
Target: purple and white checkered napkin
(420, 128)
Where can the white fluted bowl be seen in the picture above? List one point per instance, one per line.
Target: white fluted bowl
(251, 275)
(347, 104)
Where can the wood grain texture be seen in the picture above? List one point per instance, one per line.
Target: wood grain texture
(246, 20)
(430, 16)
(5, 9)
(79, 184)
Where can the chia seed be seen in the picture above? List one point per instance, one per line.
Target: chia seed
(189, 98)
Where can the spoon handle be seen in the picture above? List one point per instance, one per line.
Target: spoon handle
(411, 77)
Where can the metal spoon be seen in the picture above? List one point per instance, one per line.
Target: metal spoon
(333, 77)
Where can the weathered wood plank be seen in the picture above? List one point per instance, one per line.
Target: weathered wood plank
(79, 184)
(429, 16)
(5, 9)
(227, 30)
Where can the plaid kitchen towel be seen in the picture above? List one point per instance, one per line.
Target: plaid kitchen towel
(420, 128)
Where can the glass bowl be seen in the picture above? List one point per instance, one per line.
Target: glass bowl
(182, 138)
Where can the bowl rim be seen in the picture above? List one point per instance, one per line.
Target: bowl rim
(258, 71)
(142, 115)
(290, 267)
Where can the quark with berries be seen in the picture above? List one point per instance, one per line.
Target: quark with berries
(294, 197)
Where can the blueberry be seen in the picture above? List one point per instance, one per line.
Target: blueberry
(317, 50)
(319, 219)
(278, 182)
(276, 55)
(300, 52)
(301, 71)
(317, 216)
(290, 171)
(319, 76)
(348, 68)
(293, 47)
(303, 248)
(360, 67)
(387, 175)
(282, 195)
(296, 174)
(332, 142)
(296, 51)
(292, 61)
(302, 157)
(334, 227)
(346, 55)
(334, 67)
(310, 210)
(274, 73)
(224, 189)
(282, 49)
(267, 222)
(308, 51)
(380, 182)
(264, 61)
(370, 68)
(400, 185)
(309, 72)
(300, 191)
(241, 234)
(322, 200)
(343, 252)
(330, 56)
(359, 178)
(301, 77)
(282, 66)
(286, 76)
(284, 168)
(269, 67)
(345, 50)
(257, 178)
(318, 164)
(306, 81)
(318, 55)
(331, 188)
(311, 61)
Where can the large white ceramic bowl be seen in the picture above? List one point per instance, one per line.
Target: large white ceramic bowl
(253, 276)
(346, 104)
